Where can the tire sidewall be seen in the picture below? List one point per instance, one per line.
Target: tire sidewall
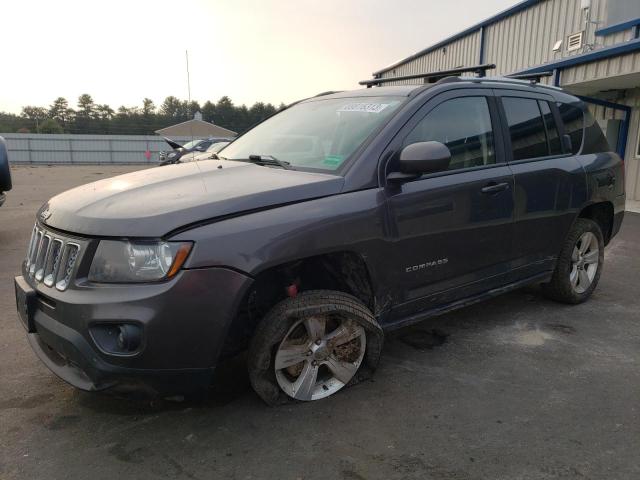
(277, 323)
(564, 266)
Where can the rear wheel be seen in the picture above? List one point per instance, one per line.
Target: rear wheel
(580, 264)
(311, 346)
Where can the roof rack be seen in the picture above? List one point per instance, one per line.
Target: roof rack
(328, 92)
(534, 77)
(432, 77)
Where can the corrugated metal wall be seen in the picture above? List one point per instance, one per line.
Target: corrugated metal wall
(606, 68)
(53, 148)
(524, 39)
(464, 52)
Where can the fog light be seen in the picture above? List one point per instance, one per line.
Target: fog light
(128, 338)
(117, 338)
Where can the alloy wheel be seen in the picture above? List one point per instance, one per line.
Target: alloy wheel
(318, 356)
(585, 260)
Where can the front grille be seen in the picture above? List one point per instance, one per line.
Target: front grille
(51, 258)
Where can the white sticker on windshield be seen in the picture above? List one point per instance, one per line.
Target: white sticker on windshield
(364, 107)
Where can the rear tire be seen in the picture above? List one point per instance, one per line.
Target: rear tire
(310, 346)
(579, 265)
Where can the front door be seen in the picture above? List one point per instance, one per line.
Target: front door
(453, 229)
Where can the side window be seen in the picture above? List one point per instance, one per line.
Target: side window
(526, 128)
(555, 147)
(573, 120)
(462, 124)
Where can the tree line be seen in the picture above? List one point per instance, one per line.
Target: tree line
(93, 118)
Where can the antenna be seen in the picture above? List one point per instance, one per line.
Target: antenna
(186, 53)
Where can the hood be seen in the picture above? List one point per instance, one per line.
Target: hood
(172, 144)
(156, 201)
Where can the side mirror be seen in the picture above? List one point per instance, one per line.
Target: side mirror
(566, 144)
(420, 158)
(200, 149)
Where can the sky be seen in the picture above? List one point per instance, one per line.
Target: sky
(250, 50)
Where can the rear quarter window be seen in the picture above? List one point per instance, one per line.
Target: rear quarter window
(594, 139)
(573, 120)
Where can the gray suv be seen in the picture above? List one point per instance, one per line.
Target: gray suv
(339, 218)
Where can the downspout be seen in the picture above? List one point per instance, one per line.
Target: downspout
(481, 53)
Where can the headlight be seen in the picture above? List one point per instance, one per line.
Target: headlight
(172, 154)
(118, 261)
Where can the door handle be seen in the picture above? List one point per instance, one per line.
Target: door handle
(494, 187)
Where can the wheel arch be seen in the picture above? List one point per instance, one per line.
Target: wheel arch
(344, 271)
(602, 213)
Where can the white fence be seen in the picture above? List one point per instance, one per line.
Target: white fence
(31, 148)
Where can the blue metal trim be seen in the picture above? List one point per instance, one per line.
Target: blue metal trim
(623, 133)
(618, 27)
(592, 56)
(518, 7)
(636, 33)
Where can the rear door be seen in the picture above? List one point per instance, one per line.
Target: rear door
(546, 179)
(452, 229)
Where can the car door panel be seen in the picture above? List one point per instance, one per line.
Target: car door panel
(452, 230)
(544, 191)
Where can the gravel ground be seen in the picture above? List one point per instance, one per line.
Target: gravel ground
(515, 388)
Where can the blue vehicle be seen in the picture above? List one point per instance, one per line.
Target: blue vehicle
(5, 171)
(341, 217)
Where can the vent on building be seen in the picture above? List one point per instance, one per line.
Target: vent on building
(574, 41)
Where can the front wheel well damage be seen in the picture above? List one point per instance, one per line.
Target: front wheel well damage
(344, 271)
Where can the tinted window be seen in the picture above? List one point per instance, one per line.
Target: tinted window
(594, 139)
(552, 130)
(463, 125)
(320, 133)
(573, 121)
(526, 128)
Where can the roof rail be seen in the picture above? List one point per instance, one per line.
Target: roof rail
(432, 77)
(534, 77)
(328, 92)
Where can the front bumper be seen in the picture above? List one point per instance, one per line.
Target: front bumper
(184, 324)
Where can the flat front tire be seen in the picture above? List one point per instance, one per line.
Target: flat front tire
(313, 345)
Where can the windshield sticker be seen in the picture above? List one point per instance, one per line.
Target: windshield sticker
(333, 160)
(364, 107)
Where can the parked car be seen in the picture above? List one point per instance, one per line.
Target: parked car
(197, 146)
(208, 154)
(337, 219)
(5, 171)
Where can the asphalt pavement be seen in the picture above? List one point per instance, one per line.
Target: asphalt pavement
(516, 388)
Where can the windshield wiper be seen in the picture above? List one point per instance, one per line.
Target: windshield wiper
(270, 160)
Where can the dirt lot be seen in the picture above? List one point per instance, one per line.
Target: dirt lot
(516, 388)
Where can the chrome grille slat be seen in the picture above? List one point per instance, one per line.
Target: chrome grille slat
(53, 262)
(42, 257)
(51, 259)
(67, 265)
(34, 254)
(31, 245)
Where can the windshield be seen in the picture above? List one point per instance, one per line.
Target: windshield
(216, 147)
(319, 134)
(191, 144)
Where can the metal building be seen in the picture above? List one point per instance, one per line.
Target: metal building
(592, 47)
